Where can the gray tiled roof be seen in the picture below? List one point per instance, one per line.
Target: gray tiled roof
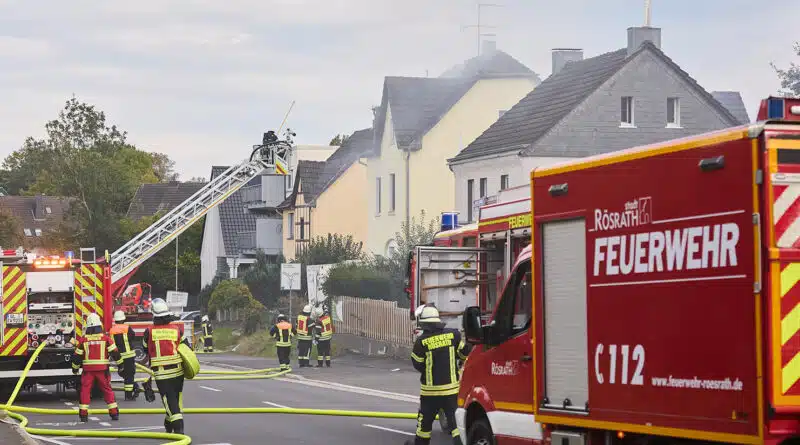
(417, 104)
(32, 211)
(356, 146)
(153, 198)
(234, 217)
(490, 64)
(309, 173)
(533, 116)
(733, 102)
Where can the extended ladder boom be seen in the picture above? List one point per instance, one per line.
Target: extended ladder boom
(273, 154)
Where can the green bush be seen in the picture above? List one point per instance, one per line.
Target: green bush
(371, 279)
(224, 338)
(258, 344)
(234, 294)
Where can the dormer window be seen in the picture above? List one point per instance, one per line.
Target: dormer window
(28, 232)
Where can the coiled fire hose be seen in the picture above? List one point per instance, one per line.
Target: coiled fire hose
(173, 439)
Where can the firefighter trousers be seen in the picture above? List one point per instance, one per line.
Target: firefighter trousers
(429, 406)
(284, 353)
(103, 379)
(208, 343)
(303, 352)
(128, 374)
(324, 352)
(171, 391)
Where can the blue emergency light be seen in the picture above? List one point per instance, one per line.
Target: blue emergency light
(449, 220)
(775, 108)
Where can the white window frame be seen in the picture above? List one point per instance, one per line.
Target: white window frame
(48, 210)
(27, 232)
(631, 111)
(676, 113)
(504, 181)
(483, 187)
(38, 232)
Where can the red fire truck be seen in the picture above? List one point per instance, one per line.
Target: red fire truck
(45, 299)
(658, 302)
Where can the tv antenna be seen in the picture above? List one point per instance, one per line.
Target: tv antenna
(480, 26)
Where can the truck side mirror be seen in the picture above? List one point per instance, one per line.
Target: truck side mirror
(473, 331)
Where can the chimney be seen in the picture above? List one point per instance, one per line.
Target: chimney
(562, 56)
(640, 34)
(488, 47)
(38, 210)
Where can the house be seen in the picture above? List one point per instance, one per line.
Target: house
(162, 196)
(422, 122)
(328, 197)
(632, 96)
(38, 215)
(307, 152)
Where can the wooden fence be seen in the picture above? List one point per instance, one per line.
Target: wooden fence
(375, 319)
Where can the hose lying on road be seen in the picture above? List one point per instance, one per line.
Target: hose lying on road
(174, 439)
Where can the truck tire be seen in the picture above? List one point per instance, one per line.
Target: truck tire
(480, 433)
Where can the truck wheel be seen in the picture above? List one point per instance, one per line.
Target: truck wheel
(480, 433)
(443, 421)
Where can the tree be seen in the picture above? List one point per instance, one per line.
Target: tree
(415, 233)
(234, 294)
(83, 158)
(10, 230)
(329, 249)
(790, 78)
(163, 167)
(263, 279)
(338, 140)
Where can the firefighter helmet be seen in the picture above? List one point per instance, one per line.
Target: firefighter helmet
(205, 318)
(119, 316)
(429, 314)
(307, 308)
(160, 308)
(282, 317)
(317, 312)
(93, 320)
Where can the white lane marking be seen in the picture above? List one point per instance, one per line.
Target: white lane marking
(389, 429)
(69, 403)
(94, 418)
(226, 443)
(49, 440)
(211, 389)
(105, 424)
(395, 369)
(275, 405)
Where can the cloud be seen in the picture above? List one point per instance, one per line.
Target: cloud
(201, 79)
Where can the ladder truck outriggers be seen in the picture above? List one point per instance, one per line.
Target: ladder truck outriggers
(45, 299)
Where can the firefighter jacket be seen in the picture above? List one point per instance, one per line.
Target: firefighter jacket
(160, 342)
(123, 337)
(325, 326)
(207, 329)
(303, 328)
(282, 332)
(434, 356)
(92, 352)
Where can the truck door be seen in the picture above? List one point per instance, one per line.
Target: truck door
(447, 277)
(509, 377)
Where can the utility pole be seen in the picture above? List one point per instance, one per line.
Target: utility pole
(176, 263)
(480, 24)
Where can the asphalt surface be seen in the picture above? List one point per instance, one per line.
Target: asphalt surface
(353, 383)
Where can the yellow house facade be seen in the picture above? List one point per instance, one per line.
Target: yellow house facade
(327, 197)
(420, 124)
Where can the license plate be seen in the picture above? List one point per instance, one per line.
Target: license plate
(15, 319)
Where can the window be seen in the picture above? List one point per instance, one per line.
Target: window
(391, 192)
(514, 312)
(626, 112)
(289, 184)
(501, 113)
(483, 187)
(302, 228)
(28, 232)
(470, 186)
(673, 112)
(522, 302)
(48, 210)
(503, 182)
(378, 195)
(290, 226)
(38, 232)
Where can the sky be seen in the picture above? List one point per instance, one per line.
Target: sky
(201, 80)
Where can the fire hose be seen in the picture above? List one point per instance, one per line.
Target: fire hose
(174, 439)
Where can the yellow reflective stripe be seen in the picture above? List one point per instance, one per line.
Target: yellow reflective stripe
(175, 417)
(112, 405)
(448, 392)
(428, 368)
(417, 358)
(128, 354)
(95, 362)
(455, 433)
(444, 387)
(83, 406)
(161, 361)
(453, 377)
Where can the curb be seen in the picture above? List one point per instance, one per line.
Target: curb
(24, 437)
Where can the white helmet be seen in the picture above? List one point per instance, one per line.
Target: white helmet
(317, 312)
(160, 308)
(307, 308)
(205, 318)
(93, 320)
(119, 316)
(429, 314)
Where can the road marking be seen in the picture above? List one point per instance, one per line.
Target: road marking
(105, 424)
(49, 440)
(395, 369)
(94, 418)
(389, 429)
(211, 389)
(68, 403)
(276, 405)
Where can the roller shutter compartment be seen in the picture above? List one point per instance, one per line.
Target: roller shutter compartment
(566, 358)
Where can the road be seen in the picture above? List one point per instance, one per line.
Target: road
(351, 384)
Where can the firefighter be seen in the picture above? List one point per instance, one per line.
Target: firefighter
(324, 329)
(283, 332)
(91, 353)
(304, 337)
(208, 340)
(434, 356)
(160, 343)
(123, 337)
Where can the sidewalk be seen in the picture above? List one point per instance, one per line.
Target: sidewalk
(12, 434)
